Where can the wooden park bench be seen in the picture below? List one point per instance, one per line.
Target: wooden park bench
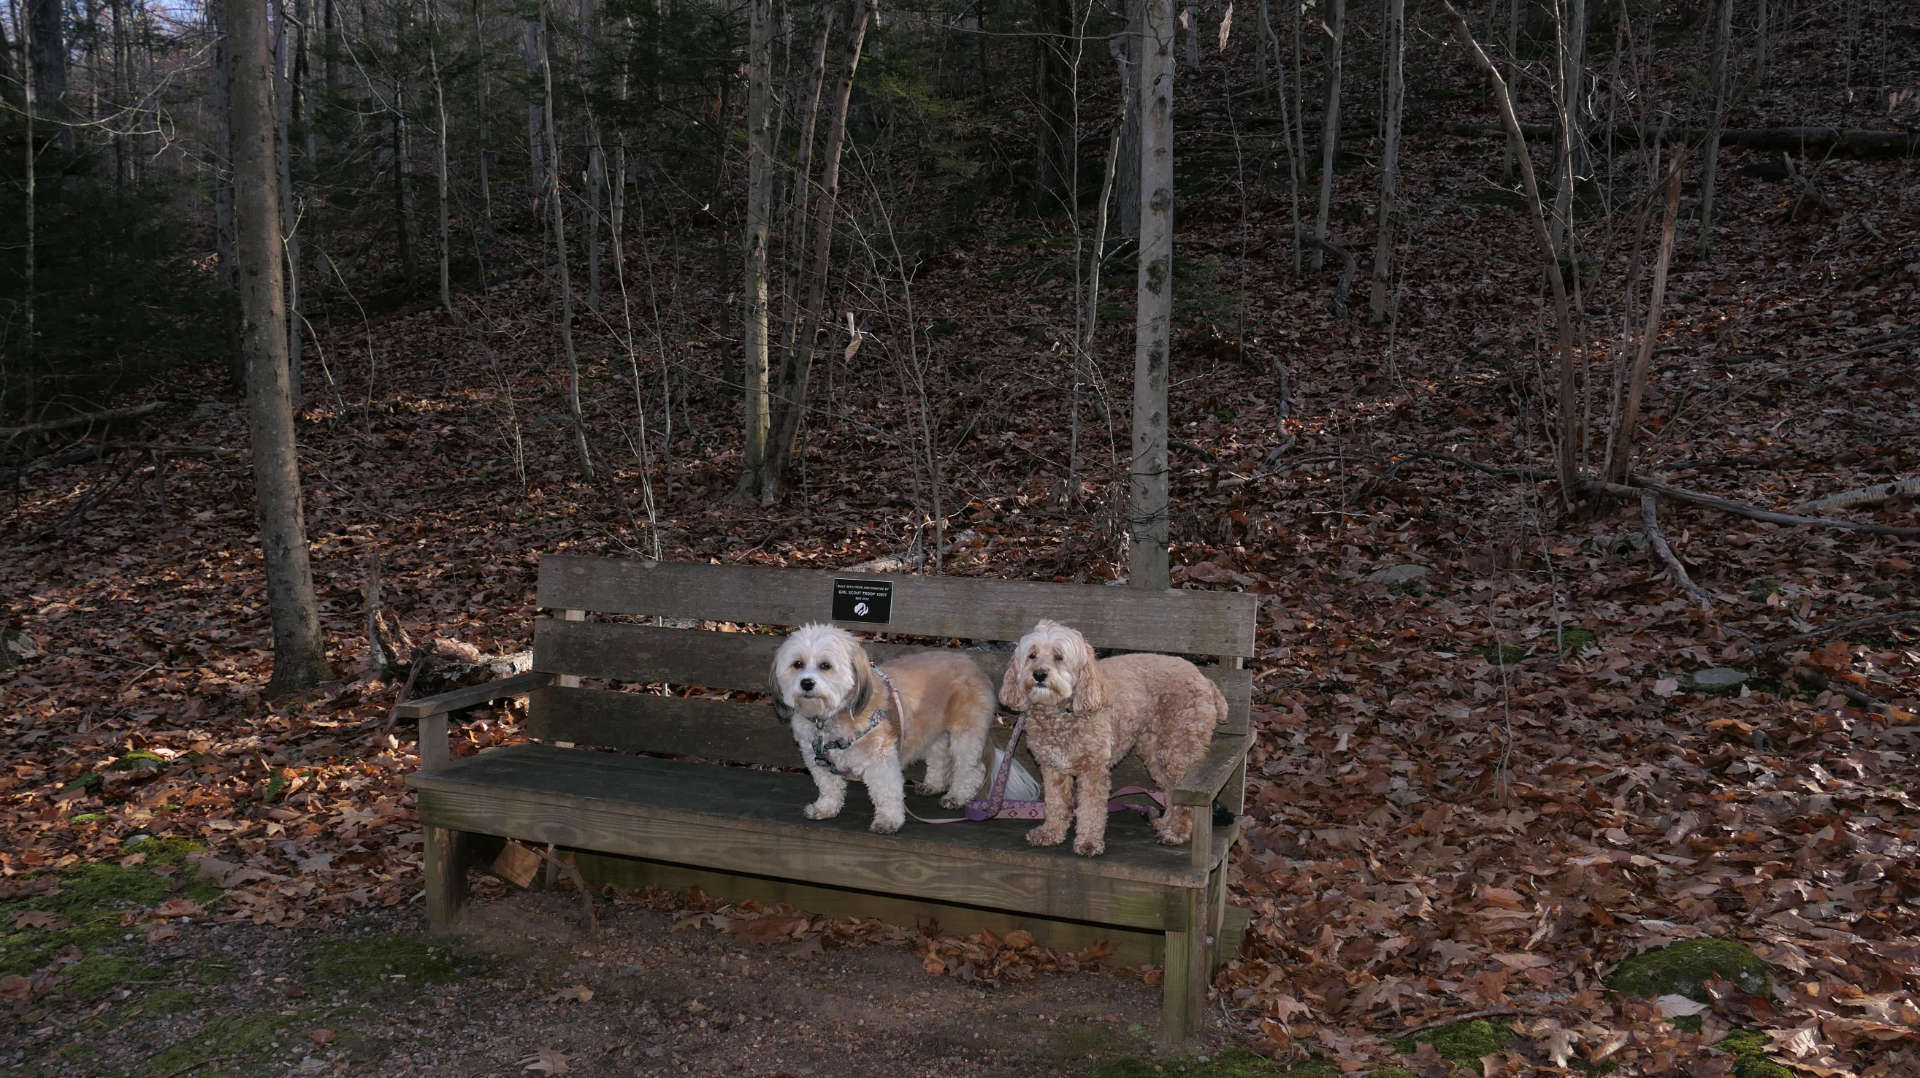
(667, 664)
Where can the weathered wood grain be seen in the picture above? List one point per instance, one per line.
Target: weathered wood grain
(749, 821)
(1184, 622)
(1131, 947)
(1204, 780)
(725, 730)
(471, 696)
(620, 651)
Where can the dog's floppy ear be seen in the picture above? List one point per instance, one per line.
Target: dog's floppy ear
(856, 658)
(1013, 684)
(781, 709)
(1089, 688)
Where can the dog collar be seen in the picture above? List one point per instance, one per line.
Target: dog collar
(821, 748)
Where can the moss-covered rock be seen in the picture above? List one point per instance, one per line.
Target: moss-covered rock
(1683, 968)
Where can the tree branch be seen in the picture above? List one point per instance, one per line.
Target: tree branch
(1650, 516)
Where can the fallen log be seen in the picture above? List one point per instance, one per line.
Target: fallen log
(1869, 495)
(111, 415)
(1861, 142)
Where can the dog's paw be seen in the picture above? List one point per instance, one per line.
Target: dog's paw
(886, 825)
(1089, 847)
(1045, 836)
(928, 789)
(821, 810)
(953, 802)
(1168, 838)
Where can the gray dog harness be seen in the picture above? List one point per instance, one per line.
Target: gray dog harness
(822, 748)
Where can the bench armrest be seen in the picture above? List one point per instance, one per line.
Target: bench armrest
(472, 696)
(1203, 780)
(432, 711)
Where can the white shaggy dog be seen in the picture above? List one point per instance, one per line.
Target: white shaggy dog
(855, 720)
(1085, 715)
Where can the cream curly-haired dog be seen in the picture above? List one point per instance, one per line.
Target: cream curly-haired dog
(856, 720)
(1085, 715)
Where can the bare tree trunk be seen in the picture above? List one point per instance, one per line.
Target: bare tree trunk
(289, 239)
(1053, 99)
(1125, 48)
(1567, 470)
(1395, 35)
(533, 48)
(1572, 148)
(1330, 130)
(1083, 372)
(1710, 159)
(223, 237)
(29, 181)
(793, 245)
(1626, 421)
(596, 154)
(9, 83)
(1514, 11)
(330, 47)
(791, 402)
(122, 159)
(299, 652)
(558, 222)
(1147, 511)
(480, 79)
(753, 457)
(43, 41)
(440, 162)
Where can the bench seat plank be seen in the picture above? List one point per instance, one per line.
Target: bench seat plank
(749, 821)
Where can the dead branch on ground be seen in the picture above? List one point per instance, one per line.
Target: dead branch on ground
(1650, 517)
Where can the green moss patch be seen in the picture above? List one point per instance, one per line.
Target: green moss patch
(86, 910)
(1683, 968)
(240, 1044)
(102, 972)
(1232, 1063)
(1749, 1052)
(403, 959)
(1573, 638)
(1116, 1052)
(1501, 655)
(1463, 1043)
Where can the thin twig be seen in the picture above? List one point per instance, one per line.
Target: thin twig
(1834, 630)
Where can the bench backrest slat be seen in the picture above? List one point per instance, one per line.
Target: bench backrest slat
(734, 731)
(618, 651)
(1186, 622)
(1218, 625)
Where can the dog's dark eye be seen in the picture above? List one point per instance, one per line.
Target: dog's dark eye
(824, 667)
(1057, 657)
(798, 665)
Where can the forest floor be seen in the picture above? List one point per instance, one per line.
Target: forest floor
(1487, 771)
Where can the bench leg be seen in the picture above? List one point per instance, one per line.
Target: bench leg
(1189, 969)
(448, 854)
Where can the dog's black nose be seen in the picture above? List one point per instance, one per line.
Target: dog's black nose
(1040, 677)
(806, 684)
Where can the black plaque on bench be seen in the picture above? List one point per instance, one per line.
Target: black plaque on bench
(863, 600)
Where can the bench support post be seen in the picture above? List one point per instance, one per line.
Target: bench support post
(448, 853)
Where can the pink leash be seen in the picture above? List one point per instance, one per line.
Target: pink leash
(999, 807)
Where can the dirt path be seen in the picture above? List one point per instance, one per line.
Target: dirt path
(525, 990)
